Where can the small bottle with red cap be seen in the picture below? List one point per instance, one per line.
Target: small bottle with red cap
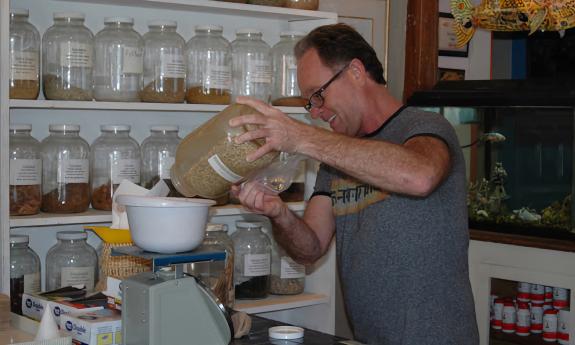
(550, 325)
(523, 319)
(509, 317)
(536, 318)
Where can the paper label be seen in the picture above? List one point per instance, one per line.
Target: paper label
(218, 77)
(256, 265)
(32, 282)
(259, 71)
(24, 65)
(126, 169)
(172, 65)
(221, 169)
(133, 60)
(78, 276)
(164, 165)
(73, 171)
(24, 172)
(291, 269)
(75, 54)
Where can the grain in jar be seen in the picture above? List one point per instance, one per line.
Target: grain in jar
(251, 65)
(164, 63)
(209, 57)
(158, 152)
(67, 58)
(114, 157)
(119, 63)
(276, 3)
(24, 55)
(24, 271)
(285, 88)
(25, 171)
(303, 4)
(65, 170)
(287, 276)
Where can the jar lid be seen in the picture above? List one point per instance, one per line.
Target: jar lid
(212, 27)
(71, 15)
(19, 239)
(72, 235)
(164, 128)
(285, 332)
(550, 311)
(20, 127)
(170, 23)
(19, 11)
(127, 20)
(291, 33)
(115, 128)
(248, 31)
(245, 224)
(216, 227)
(64, 128)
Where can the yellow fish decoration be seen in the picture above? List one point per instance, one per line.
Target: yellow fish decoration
(511, 15)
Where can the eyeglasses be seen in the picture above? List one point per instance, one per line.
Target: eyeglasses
(316, 99)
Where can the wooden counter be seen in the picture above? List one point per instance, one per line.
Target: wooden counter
(522, 240)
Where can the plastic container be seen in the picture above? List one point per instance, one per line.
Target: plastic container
(24, 51)
(164, 63)
(536, 319)
(303, 4)
(252, 260)
(208, 161)
(24, 271)
(287, 276)
(119, 69)
(209, 57)
(25, 171)
(550, 323)
(115, 156)
(65, 170)
(251, 65)
(158, 152)
(509, 318)
(67, 58)
(523, 319)
(560, 298)
(285, 88)
(71, 261)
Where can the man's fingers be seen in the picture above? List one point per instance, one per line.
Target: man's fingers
(257, 104)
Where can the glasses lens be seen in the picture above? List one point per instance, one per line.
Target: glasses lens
(316, 100)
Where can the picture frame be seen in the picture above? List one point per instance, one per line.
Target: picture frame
(450, 74)
(446, 38)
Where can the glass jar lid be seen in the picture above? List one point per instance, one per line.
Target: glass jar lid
(211, 27)
(19, 12)
(70, 15)
(248, 31)
(20, 127)
(216, 227)
(64, 128)
(19, 239)
(115, 128)
(168, 23)
(122, 20)
(164, 128)
(71, 235)
(291, 34)
(246, 224)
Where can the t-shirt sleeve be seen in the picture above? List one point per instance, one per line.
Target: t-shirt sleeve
(433, 125)
(322, 182)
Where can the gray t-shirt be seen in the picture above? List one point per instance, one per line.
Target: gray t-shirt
(403, 259)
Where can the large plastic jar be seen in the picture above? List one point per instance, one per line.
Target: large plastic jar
(208, 161)
(164, 63)
(303, 4)
(285, 89)
(158, 153)
(67, 58)
(119, 69)
(209, 57)
(287, 276)
(114, 157)
(25, 171)
(65, 170)
(252, 260)
(71, 261)
(252, 65)
(24, 77)
(24, 271)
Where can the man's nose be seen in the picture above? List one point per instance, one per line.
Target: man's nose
(315, 112)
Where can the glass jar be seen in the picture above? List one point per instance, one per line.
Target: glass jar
(25, 171)
(252, 260)
(164, 63)
(71, 261)
(24, 271)
(251, 66)
(115, 156)
(158, 153)
(303, 4)
(67, 53)
(276, 3)
(287, 276)
(119, 66)
(208, 161)
(24, 51)
(65, 170)
(218, 275)
(285, 89)
(209, 58)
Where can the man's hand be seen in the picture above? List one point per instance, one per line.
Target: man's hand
(257, 199)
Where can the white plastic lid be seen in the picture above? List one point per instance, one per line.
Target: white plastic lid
(72, 235)
(246, 31)
(291, 33)
(245, 224)
(164, 128)
(155, 201)
(127, 20)
(19, 239)
(64, 128)
(20, 11)
(71, 15)
(115, 128)
(20, 127)
(216, 227)
(209, 28)
(171, 23)
(285, 332)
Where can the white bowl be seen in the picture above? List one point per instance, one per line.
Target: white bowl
(166, 225)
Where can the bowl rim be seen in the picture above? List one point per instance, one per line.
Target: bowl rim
(156, 201)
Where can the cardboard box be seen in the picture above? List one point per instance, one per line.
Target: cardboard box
(33, 306)
(101, 327)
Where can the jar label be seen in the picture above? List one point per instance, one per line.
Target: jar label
(75, 54)
(126, 169)
(164, 165)
(25, 172)
(256, 265)
(218, 77)
(73, 171)
(221, 169)
(24, 65)
(78, 276)
(32, 282)
(133, 60)
(291, 269)
(259, 71)
(172, 65)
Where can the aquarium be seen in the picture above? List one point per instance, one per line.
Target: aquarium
(517, 140)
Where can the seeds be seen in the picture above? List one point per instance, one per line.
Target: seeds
(288, 286)
(164, 90)
(24, 89)
(56, 88)
(25, 200)
(67, 198)
(199, 95)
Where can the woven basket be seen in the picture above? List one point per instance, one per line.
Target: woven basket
(119, 266)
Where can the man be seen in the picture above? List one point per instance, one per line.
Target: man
(391, 187)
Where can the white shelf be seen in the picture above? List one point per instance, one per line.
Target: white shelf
(94, 216)
(277, 302)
